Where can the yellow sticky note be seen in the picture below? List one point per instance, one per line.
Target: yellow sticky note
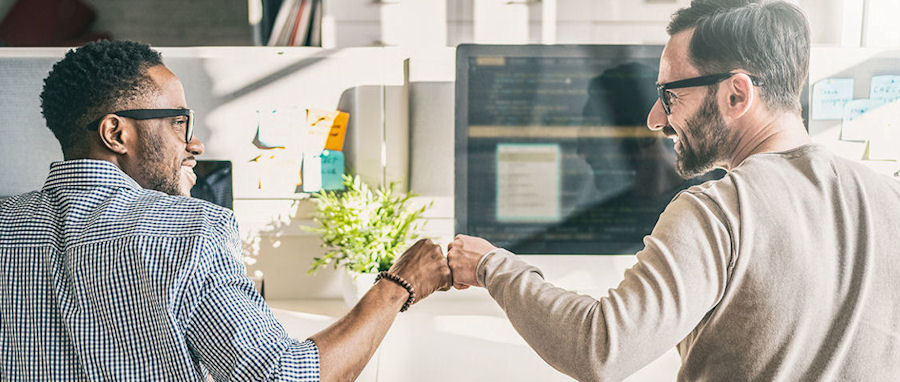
(337, 133)
(318, 124)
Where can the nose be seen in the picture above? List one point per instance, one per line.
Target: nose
(657, 118)
(195, 147)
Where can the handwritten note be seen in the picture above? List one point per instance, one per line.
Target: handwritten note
(885, 88)
(323, 171)
(852, 127)
(332, 170)
(318, 125)
(338, 130)
(829, 97)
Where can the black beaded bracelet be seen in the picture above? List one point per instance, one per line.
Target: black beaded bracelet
(400, 281)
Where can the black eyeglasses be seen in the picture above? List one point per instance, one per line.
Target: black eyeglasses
(142, 114)
(662, 90)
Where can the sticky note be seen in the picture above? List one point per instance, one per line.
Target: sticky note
(318, 124)
(885, 88)
(312, 172)
(337, 133)
(332, 170)
(853, 129)
(829, 97)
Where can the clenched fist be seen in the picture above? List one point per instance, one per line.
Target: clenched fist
(463, 255)
(424, 266)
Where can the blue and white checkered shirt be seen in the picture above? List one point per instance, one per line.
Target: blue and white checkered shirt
(101, 279)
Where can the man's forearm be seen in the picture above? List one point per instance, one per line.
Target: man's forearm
(346, 346)
(568, 330)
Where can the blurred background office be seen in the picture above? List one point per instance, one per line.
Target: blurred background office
(252, 69)
(428, 23)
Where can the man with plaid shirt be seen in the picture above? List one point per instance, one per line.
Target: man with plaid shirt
(110, 272)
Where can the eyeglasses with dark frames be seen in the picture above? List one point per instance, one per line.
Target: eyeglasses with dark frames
(142, 114)
(662, 90)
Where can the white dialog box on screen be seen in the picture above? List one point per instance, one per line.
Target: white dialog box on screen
(528, 183)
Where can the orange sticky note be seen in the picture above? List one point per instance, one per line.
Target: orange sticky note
(337, 133)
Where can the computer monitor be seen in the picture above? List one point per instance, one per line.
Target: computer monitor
(553, 155)
(214, 183)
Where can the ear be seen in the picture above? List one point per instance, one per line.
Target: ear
(740, 93)
(114, 135)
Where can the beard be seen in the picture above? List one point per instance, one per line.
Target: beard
(157, 176)
(710, 140)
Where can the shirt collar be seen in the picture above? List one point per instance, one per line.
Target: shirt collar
(88, 172)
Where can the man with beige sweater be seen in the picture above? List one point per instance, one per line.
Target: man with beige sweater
(785, 269)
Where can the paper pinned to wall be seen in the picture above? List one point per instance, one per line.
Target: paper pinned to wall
(276, 127)
(318, 125)
(332, 170)
(337, 133)
(829, 97)
(312, 172)
(853, 127)
(885, 88)
(884, 132)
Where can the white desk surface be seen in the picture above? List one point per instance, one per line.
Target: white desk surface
(461, 337)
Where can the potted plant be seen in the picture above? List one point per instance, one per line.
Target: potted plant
(362, 230)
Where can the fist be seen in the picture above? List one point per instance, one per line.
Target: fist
(463, 255)
(424, 266)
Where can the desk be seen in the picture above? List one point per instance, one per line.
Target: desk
(461, 336)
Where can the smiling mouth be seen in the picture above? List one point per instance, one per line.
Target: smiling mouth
(187, 171)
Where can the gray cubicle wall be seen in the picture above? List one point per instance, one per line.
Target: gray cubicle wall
(26, 146)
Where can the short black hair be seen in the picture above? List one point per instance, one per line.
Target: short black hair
(91, 81)
(768, 38)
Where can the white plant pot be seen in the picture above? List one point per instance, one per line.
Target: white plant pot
(354, 285)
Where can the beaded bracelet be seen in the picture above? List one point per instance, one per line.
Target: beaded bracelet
(400, 281)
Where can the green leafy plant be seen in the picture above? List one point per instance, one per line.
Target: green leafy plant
(364, 229)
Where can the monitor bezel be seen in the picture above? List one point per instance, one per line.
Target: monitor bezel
(461, 110)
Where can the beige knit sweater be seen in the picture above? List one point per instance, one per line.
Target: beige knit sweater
(787, 269)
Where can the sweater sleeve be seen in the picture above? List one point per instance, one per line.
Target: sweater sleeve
(679, 277)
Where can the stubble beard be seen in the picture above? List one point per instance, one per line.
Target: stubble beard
(708, 143)
(157, 176)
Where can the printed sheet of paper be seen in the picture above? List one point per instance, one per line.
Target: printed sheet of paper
(528, 182)
(829, 97)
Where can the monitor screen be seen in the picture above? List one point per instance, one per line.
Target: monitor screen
(553, 155)
(214, 182)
